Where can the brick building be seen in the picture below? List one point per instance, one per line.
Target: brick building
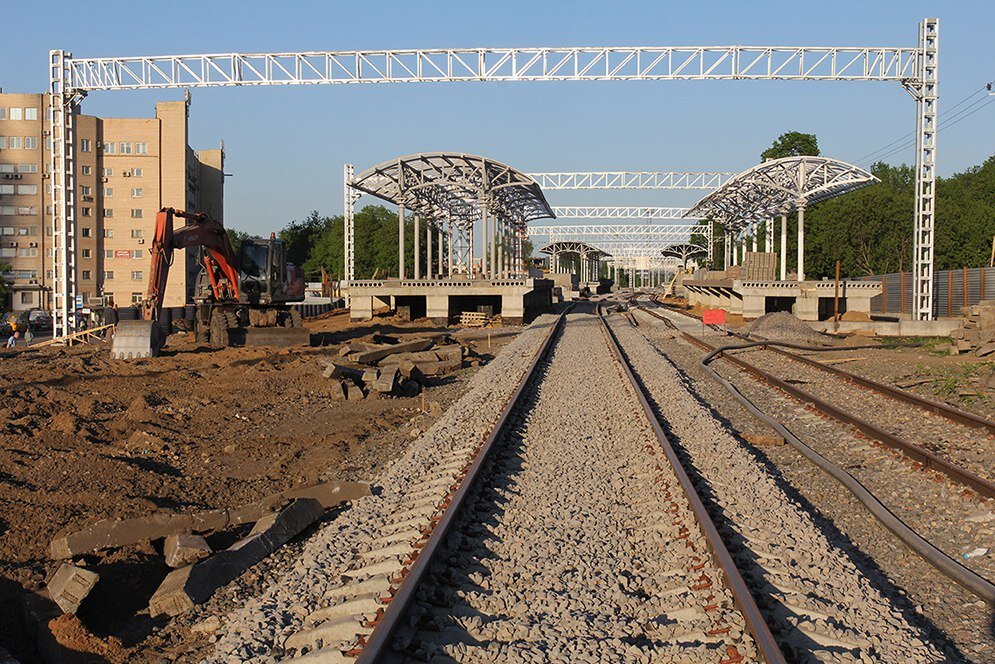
(127, 169)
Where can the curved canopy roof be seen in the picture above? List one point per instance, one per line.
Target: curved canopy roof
(569, 247)
(779, 186)
(684, 250)
(445, 185)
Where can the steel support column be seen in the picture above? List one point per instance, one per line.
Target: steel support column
(784, 247)
(62, 126)
(801, 241)
(926, 92)
(349, 198)
(416, 254)
(400, 241)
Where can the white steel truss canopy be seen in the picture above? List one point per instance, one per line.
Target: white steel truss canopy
(684, 251)
(659, 63)
(658, 233)
(631, 180)
(568, 247)
(779, 186)
(455, 186)
(615, 212)
(70, 79)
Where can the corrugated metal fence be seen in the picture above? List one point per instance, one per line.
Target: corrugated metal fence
(952, 289)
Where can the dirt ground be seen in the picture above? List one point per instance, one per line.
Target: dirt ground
(83, 437)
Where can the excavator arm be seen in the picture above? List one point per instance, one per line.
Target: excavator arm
(200, 230)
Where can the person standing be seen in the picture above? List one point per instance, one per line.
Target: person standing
(12, 339)
(29, 336)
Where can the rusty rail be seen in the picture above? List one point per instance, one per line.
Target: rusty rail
(762, 636)
(929, 460)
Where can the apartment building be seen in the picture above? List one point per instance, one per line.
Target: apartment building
(127, 169)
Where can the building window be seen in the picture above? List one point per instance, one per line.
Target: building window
(16, 113)
(31, 114)
(27, 211)
(110, 148)
(84, 190)
(137, 275)
(108, 232)
(85, 211)
(108, 275)
(28, 252)
(48, 274)
(136, 253)
(125, 148)
(27, 168)
(3, 142)
(27, 297)
(107, 172)
(136, 192)
(141, 148)
(6, 189)
(6, 168)
(7, 252)
(136, 213)
(23, 230)
(87, 274)
(6, 209)
(108, 212)
(137, 172)
(15, 142)
(27, 189)
(108, 192)
(85, 145)
(87, 253)
(87, 170)
(3, 112)
(136, 298)
(25, 274)
(30, 142)
(137, 233)
(108, 253)
(86, 232)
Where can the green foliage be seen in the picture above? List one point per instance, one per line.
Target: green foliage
(236, 236)
(792, 144)
(4, 284)
(718, 248)
(300, 236)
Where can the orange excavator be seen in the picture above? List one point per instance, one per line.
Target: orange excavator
(239, 299)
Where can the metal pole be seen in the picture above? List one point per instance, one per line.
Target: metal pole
(769, 236)
(784, 247)
(400, 241)
(417, 252)
(450, 255)
(801, 242)
(925, 91)
(428, 248)
(441, 267)
(349, 224)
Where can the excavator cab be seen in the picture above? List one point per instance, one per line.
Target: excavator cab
(265, 276)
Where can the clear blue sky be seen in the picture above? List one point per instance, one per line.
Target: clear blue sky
(286, 145)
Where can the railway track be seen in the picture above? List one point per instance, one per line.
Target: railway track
(948, 440)
(566, 535)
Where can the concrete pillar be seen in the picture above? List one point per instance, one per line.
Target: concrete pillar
(744, 251)
(400, 241)
(801, 242)
(784, 247)
(499, 243)
(493, 240)
(753, 240)
(735, 250)
(437, 308)
(450, 249)
(441, 266)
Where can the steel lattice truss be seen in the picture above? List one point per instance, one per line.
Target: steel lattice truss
(631, 180)
(569, 247)
(614, 212)
(684, 251)
(777, 187)
(659, 233)
(496, 64)
(455, 186)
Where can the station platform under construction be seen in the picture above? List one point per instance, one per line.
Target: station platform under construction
(516, 300)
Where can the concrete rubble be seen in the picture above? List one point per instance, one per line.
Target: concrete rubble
(977, 335)
(185, 549)
(70, 585)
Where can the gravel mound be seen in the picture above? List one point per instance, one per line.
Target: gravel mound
(782, 325)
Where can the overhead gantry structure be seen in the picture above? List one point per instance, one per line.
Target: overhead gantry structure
(684, 251)
(451, 193)
(777, 187)
(630, 180)
(72, 78)
(647, 238)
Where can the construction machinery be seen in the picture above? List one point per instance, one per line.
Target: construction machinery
(241, 299)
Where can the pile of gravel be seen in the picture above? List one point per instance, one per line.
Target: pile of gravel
(782, 325)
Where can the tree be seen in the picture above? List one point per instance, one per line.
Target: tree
(236, 236)
(792, 144)
(300, 236)
(718, 248)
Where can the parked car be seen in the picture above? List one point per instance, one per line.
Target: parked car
(36, 319)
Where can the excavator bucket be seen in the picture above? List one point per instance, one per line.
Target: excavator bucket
(137, 338)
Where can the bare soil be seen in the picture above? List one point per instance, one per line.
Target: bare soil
(83, 437)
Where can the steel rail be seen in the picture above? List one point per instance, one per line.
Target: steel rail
(929, 405)
(766, 643)
(377, 644)
(955, 473)
(946, 565)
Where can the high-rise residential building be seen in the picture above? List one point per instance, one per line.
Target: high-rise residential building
(127, 170)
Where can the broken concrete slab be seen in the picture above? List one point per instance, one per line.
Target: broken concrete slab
(987, 349)
(371, 356)
(386, 380)
(354, 392)
(354, 347)
(340, 391)
(194, 584)
(370, 376)
(185, 549)
(70, 585)
(334, 370)
(111, 533)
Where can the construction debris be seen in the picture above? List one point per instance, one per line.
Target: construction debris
(977, 335)
(113, 533)
(473, 319)
(185, 549)
(194, 584)
(70, 585)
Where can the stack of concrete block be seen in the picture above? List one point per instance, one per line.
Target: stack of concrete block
(977, 335)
